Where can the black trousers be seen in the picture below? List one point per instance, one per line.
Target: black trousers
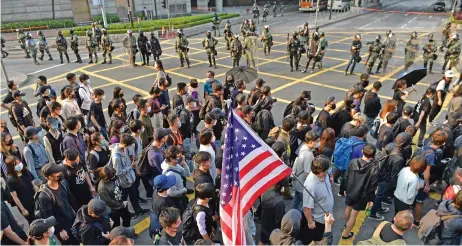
(147, 185)
(434, 111)
(132, 192)
(123, 214)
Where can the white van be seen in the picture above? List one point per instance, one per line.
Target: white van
(341, 4)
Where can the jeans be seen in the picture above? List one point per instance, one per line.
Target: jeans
(132, 191)
(104, 132)
(123, 214)
(423, 130)
(382, 188)
(369, 122)
(352, 61)
(298, 201)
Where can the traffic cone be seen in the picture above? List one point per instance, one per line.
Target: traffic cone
(163, 32)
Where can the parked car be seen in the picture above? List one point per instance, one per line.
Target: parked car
(439, 6)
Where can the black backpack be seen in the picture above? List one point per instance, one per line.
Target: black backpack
(45, 189)
(190, 230)
(75, 229)
(78, 99)
(143, 162)
(202, 111)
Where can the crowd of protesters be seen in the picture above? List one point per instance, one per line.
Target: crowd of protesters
(77, 179)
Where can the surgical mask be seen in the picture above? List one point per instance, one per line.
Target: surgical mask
(52, 231)
(48, 103)
(54, 126)
(22, 98)
(179, 124)
(19, 167)
(149, 109)
(142, 130)
(103, 98)
(194, 104)
(88, 82)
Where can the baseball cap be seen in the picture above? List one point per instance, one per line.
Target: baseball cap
(217, 87)
(40, 226)
(160, 133)
(218, 112)
(52, 120)
(98, 207)
(329, 100)
(408, 110)
(43, 88)
(18, 93)
(120, 230)
(190, 99)
(163, 182)
(32, 131)
(449, 74)
(377, 85)
(51, 168)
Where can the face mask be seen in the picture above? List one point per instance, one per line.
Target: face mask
(149, 109)
(54, 126)
(142, 130)
(9, 143)
(103, 98)
(102, 143)
(22, 98)
(48, 103)
(179, 124)
(19, 167)
(333, 106)
(52, 230)
(59, 112)
(121, 95)
(194, 104)
(75, 164)
(88, 82)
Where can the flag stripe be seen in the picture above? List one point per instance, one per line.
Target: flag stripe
(266, 169)
(256, 170)
(253, 161)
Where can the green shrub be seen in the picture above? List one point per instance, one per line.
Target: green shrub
(52, 24)
(177, 22)
(110, 18)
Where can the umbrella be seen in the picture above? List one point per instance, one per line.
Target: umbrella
(246, 73)
(412, 77)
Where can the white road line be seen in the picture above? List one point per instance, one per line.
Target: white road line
(375, 21)
(429, 16)
(276, 22)
(406, 14)
(48, 68)
(404, 25)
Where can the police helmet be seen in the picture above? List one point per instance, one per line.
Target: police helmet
(141, 32)
(322, 34)
(89, 33)
(29, 35)
(59, 33)
(216, 15)
(19, 30)
(388, 33)
(71, 31)
(294, 33)
(129, 31)
(358, 36)
(39, 32)
(266, 27)
(455, 36)
(430, 36)
(228, 22)
(378, 37)
(414, 34)
(104, 31)
(306, 23)
(236, 36)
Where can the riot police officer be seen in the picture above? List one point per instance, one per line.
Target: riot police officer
(411, 50)
(446, 35)
(181, 47)
(256, 13)
(22, 40)
(30, 43)
(356, 46)
(249, 47)
(305, 34)
(293, 48)
(43, 46)
(228, 34)
(236, 50)
(155, 47)
(267, 40)
(97, 33)
(252, 27)
(143, 44)
(106, 43)
(216, 25)
(209, 43)
(429, 54)
(129, 44)
(452, 52)
(265, 11)
(75, 45)
(92, 46)
(388, 48)
(275, 9)
(245, 26)
(61, 44)
(374, 52)
(323, 46)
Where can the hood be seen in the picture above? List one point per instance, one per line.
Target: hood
(361, 166)
(445, 208)
(116, 149)
(290, 227)
(83, 217)
(403, 140)
(356, 139)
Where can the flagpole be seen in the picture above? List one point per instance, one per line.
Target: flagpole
(309, 193)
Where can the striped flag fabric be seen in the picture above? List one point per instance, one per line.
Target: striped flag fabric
(249, 168)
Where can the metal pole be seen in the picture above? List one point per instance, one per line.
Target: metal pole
(316, 17)
(331, 5)
(168, 15)
(130, 13)
(103, 13)
(4, 71)
(155, 7)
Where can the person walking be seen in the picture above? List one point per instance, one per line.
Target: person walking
(355, 57)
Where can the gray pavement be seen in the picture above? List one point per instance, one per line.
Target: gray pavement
(286, 85)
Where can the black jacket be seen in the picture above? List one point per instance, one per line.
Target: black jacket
(265, 121)
(213, 102)
(273, 209)
(90, 228)
(372, 105)
(201, 177)
(360, 180)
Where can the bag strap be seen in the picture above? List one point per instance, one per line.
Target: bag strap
(446, 217)
(379, 228)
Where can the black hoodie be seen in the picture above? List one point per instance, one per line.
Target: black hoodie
(361, 180)
(372, 105)
(90, 233)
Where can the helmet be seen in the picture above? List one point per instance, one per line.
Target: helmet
(246, 21)
(455, 36)
(104, 31)
(152, 34)
(236, 36)
(378, 37)
(294, 34)
(306, 23)
(251, 21)
(228, 22)
(358, 36)
(322, 34)
(315, 35)
(215, 15)
(19, 30)
(129, 31)
(208, 33)
(89, 33)
(59, 33)
(71, 31)
(316, 28)
(29, 35)
(39, 33)
(266, 27)
(430, 36)
(178, 32)
(414, 34)
(388, 33)
(141, 32)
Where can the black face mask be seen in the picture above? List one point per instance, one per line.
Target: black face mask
(334, 106)
(9, 143)
(60, 177)
(121, 95)
(75, 164)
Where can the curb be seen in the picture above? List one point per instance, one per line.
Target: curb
(24, 80)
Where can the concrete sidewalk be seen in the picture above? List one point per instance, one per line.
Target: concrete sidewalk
(20, 79)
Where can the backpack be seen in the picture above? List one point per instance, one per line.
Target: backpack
(155, 228)
(177, 172)
(253, 97)
(23, 159)
(257, 124)
(202, 111)
(45, 189)
(75, 229)
(376, 240)
(450, 169)
(374, 131)
(169, 80)
(342, 152)
(131, 115)
(274, 132)
(430, 227)
(143, 162)
(78, 99)
(434, 84)
(190, 230)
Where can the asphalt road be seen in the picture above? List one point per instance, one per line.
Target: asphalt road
(402, 18)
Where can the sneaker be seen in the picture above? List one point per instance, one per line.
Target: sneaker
(350, 236)
(376, 217)
(383, 210)
(387, 202)
(142, 201)
(190, 191)
(339, 194)
(143, 211)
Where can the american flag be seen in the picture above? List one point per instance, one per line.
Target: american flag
(250, 167)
